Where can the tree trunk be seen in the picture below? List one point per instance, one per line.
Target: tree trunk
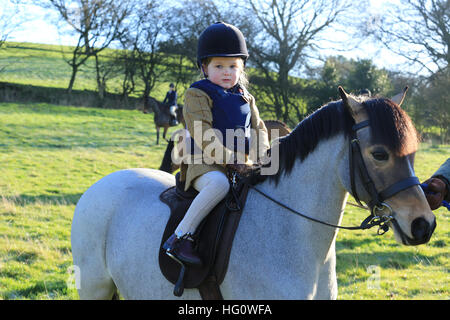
(72, 78)
(100, 85)
(146, 95)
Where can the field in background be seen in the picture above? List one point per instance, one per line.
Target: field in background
(51, 154)
(44, 65)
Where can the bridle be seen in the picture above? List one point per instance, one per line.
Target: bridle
(376, 205)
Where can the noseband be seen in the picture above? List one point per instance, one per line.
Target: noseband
(376, 203)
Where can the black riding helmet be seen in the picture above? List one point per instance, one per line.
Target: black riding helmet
(221, 40)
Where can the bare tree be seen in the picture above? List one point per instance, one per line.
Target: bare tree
(96, 22)
(106, 69)
(10, 20)
(418, 30)
(280, 40)
(145, 34)
(432, 101)
(8, 13)
(126, 61)
(183, 29)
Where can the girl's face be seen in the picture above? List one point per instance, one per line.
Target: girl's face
(224, 71)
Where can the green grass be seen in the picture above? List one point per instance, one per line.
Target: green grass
(51, 154)
(420, 272)
(45, 65)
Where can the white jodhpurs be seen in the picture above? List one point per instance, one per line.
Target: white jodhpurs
(212, 186)
(173, 110)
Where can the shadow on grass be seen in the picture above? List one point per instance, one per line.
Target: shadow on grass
(23, 256)
(51, 289)
(110, 136)
(58, 199)
(385, 259)
(14, 92)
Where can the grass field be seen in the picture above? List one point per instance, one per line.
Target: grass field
(51, 154)
(45, 65)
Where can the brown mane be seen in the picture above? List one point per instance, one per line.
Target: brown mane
(390, 126)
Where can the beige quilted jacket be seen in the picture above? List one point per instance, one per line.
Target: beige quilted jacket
(197, 112)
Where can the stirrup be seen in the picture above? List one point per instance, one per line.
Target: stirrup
(179, 285)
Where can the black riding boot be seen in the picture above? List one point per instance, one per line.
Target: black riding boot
(182, 249)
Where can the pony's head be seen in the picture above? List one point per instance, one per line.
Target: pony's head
(388, 144)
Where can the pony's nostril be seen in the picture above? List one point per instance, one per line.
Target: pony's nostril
(420, 229)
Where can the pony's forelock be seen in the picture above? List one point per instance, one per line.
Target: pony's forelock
(391, 126)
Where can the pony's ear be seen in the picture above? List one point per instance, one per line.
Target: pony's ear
(354, 107)
(398, 98)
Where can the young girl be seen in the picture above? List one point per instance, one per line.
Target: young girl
(220, 102)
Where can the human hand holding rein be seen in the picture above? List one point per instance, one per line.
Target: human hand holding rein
(239, 168)
(435, 192)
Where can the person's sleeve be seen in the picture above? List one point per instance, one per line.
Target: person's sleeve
(262, 138)
(443, 173)
(198, 117)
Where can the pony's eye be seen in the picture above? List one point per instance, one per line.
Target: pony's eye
(380, 155)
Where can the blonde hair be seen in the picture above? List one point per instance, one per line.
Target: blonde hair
(243, 78)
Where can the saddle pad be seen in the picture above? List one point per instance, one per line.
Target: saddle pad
(214, 243)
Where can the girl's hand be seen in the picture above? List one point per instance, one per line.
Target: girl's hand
(240, 169)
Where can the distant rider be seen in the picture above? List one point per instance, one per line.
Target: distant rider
(171, 101)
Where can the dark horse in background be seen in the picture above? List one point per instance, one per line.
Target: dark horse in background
(168, 166)
(163, 118)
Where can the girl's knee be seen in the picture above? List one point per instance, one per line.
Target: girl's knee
(221, 187)
(219, 182)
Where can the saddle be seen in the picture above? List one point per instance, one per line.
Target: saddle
(213, 238)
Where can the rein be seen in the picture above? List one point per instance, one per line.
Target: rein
(376, 205)
(369, 222)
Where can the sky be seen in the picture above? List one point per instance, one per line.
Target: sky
(38, 28)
